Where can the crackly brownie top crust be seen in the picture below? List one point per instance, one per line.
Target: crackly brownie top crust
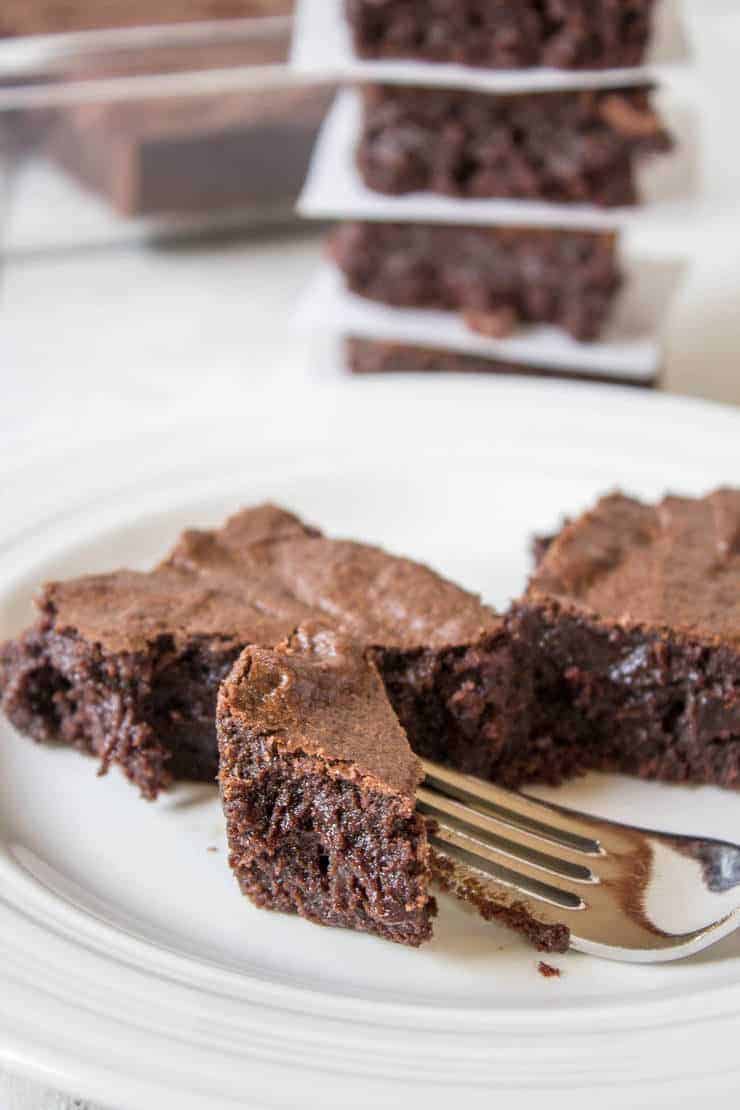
(256, 580)
(673, 565)
(320, 695)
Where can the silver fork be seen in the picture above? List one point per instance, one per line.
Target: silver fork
(623, 893)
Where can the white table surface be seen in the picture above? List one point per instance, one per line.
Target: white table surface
(93, 342)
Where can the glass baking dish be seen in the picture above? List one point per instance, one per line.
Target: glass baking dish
(155, 133)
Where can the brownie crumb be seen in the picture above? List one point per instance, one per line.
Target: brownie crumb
(547, 971)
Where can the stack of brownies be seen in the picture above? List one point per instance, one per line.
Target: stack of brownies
(484, 162)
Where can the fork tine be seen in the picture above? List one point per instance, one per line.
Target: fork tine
(506, 840)
(530, 871)
(479, 859)
(518, 812)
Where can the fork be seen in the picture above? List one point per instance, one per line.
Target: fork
(610, 890)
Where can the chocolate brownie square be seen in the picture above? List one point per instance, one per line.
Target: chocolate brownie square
(566, 147)
(496, 277)
(504, 34)
(632, 625)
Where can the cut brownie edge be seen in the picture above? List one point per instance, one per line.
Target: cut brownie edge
(633, 700)
(152, 714)
(632, 624)
(461, 706)
(318, 785)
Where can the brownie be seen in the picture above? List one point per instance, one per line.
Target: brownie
(504, 34)
(496, 277)
(46, 17)
(318, 783)
(127, 665)
(632, 625)
(372, 356)
(566, 147)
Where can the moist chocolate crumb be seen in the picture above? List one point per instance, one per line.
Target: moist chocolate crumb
(632, 626)
(509, 34)
(496, 277)
(624, 654)
(318, 782)
(574, 147)
(547, 971)
(127, 665)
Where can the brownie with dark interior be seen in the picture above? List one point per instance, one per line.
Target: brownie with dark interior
(567, 147)
(318, 783)
(504, 34)
(46, 17)
(496, 277)
(632, 625)
(127, 665)
(375, 356)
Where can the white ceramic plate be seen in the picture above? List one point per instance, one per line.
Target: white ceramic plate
(133, 972)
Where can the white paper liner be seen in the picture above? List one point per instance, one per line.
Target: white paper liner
(629, 348)
(322, 45)
(668, 184)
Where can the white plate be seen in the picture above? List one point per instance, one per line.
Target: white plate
(133, 972)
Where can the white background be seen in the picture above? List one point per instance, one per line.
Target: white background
(95, 342)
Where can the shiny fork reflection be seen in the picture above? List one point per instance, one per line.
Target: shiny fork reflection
(623, 893)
